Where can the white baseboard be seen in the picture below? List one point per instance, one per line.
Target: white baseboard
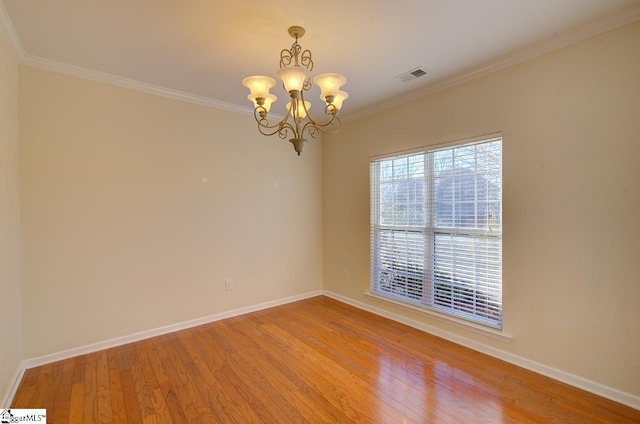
(13, 388)
(565, 377)
(119, 341)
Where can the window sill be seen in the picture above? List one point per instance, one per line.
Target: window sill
(475, 328)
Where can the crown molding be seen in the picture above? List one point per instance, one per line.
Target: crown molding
(10, 34)
(89, 74)
(598, 26)
(102, 77)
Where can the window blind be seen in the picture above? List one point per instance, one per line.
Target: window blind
(436, 229)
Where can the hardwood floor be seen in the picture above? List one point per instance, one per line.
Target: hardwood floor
(313, 361)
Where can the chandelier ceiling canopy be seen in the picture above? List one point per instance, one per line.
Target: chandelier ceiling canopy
(295, 72)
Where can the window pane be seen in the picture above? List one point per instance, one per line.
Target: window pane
(489, 156)
(400, 168)
(402, 198)
(442, 162)
(416, 166)
(443, 189)
(464, 159)
(462, 193)
(401, 263)
(465, 269)
(444, 214)
(493, 184)
(386, 204)
(467, 188)
(386, 170)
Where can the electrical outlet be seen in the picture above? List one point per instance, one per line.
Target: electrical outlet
(345, 274)
(228, 284)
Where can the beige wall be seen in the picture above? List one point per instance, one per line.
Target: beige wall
(10, 296)
(571, 271)
(136, 208)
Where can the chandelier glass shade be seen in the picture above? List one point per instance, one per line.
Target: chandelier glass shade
(295, 73)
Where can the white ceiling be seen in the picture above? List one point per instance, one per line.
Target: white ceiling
(201, 49)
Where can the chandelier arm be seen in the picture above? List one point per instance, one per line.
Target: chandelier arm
(281, 128)
(284, 128)
(312, 129)
(333, 121)
(259, 113)
(285, 58)
(261, 128)
(331, 109)
(306, 61)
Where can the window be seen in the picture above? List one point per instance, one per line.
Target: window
(436, 229)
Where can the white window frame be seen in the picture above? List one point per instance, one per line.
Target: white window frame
(429, 231)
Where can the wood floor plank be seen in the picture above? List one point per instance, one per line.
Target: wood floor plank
(144, 378)
(103, 385)
(312, 361)
(131, 405)
(44, 387)
(27, 390)
(161, 415)
(171, 401)
(180, 388)
(63, 392)
(90, 403)
(118, 409)
(76, 404)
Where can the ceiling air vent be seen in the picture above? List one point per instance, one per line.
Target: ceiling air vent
(413, 74)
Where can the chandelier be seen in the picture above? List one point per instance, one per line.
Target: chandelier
(295, 69)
